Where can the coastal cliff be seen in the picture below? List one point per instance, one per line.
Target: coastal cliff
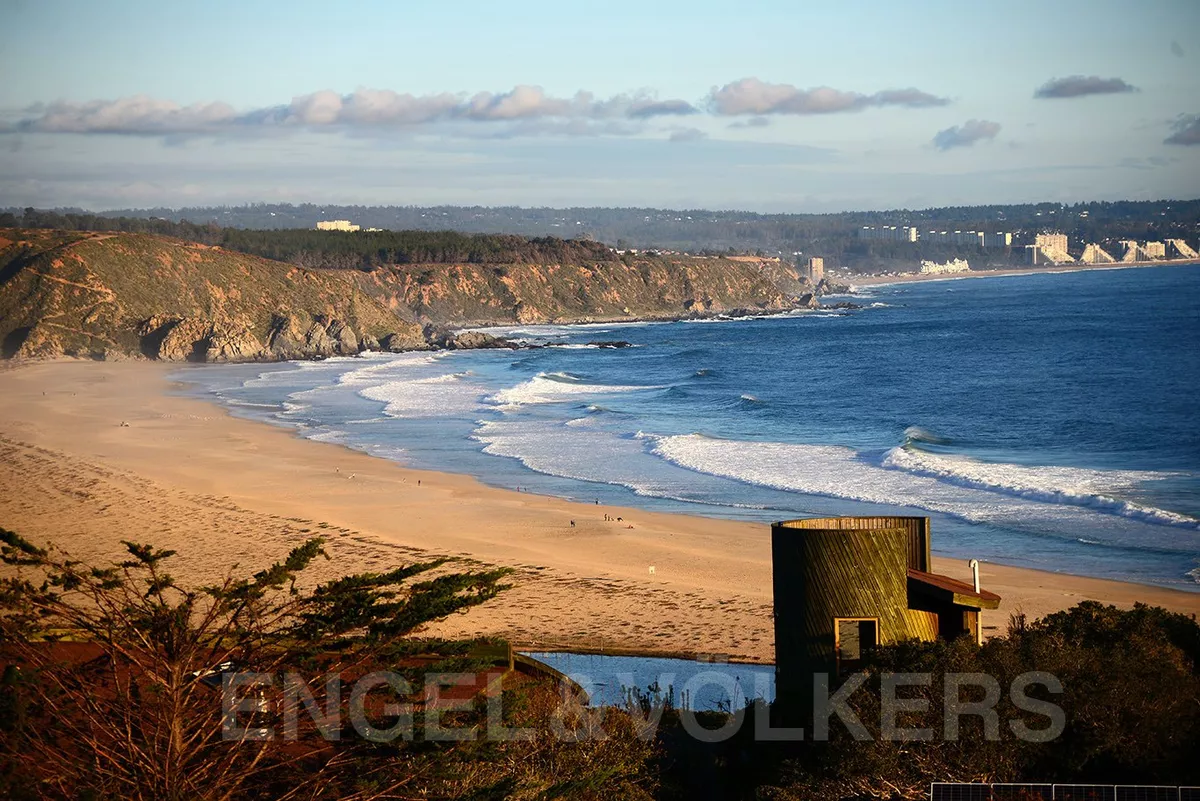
(112, 296)
(630, 288)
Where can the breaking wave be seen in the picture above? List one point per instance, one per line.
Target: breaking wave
(426, 397)
(839, 472)
(556, 387)
(1076, 486)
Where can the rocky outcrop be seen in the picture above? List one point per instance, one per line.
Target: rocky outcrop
(664, 287)
(827, 287)
(439, 337)
(233, 345)
(808, 301)
(198, 340)
(109, 296)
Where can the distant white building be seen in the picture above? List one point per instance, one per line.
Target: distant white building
(952, 266)
(336, 225)
(888, 233)
(1181, 249)
(975, 239)
(1051, 242)
(1049, 249)
(1146, 252)
(1094, 254)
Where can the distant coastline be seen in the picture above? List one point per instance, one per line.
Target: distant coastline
(886, 280)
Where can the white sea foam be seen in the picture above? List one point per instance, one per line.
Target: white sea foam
(587, 454)
(435, 396)
(287, 373)
(323, 434)
(839, 472)
(1077, 486)
(554, 388)
(382, 369)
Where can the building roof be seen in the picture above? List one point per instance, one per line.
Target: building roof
(944, 588)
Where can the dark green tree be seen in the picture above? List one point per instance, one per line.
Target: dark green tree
(108, 671)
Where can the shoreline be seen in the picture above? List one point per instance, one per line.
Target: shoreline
(908, 278)
(96, 452)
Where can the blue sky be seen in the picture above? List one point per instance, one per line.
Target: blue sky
(770, 106)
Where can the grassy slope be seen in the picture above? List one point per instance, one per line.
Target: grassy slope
(90, 292)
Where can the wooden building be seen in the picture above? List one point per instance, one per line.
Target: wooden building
(844, 585)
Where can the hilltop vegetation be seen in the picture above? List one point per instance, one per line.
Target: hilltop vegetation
(361, 250)
(365, 250)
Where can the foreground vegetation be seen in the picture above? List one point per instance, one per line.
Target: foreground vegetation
(110, 690)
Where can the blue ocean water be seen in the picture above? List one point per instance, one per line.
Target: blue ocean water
(1042, 420)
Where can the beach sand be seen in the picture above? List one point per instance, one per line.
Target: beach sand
(93, 453)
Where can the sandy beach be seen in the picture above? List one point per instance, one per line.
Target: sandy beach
(93, 453)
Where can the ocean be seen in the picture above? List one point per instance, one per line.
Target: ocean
(1047, 421)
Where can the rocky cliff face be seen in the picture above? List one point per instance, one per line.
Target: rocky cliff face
(111, 296)
(661, 287)
(135, 296)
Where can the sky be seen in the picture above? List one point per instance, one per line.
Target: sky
(771, 106)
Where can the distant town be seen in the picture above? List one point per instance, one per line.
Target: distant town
(1047, 248)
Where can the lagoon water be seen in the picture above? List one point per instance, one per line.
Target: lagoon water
(700, 686)
(1048, 421)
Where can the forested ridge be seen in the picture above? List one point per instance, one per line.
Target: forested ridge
(337, 249)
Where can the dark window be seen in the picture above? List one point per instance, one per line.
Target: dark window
(856, 638)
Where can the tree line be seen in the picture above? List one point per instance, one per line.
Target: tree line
(362, 250)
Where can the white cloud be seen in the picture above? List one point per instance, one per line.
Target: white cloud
(365, 108)
(752, 96)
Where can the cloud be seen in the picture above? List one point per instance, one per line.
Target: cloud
(645, 107)
(965, 135)
(1187, 130)
(1177, 48)
(363, 109)
(687, 135)
(135, 115)
(753, 122)
(1082, 85)
(752, 96)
